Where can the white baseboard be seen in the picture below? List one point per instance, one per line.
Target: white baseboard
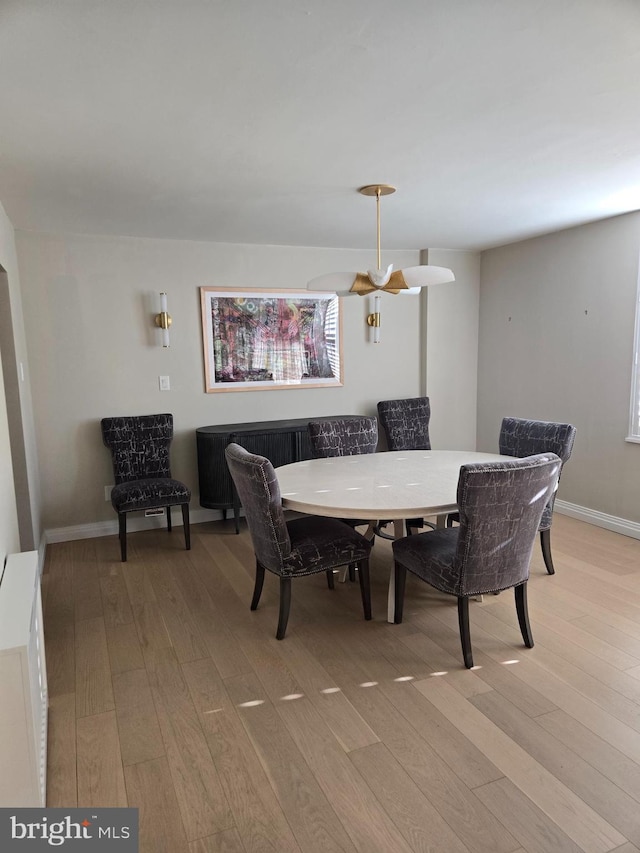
(110, 528)
(599, 519)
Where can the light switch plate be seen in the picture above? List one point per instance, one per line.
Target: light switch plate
(164, 384)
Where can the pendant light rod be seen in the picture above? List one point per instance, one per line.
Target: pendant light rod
(377, 190)
(378, 225)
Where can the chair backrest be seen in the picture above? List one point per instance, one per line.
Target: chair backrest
(343, 436)
(259, 492)
(139, 446)
(520, 437)
(406, 423)
(500, 505)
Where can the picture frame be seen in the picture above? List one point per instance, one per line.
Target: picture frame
(258, 339)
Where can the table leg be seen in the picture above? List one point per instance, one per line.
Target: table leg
(398, 532)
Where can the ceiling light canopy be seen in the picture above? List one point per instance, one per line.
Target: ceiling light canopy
(408, 280)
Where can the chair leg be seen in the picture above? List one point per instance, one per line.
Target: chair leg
(545, 541)
(122, 532)
(257, 589)
(365, 588)
(523, 614)
(330, 581)
(168, 512)
(352, 572)
(400, 577)
(465, 636)
(285, 606)
(185, 525)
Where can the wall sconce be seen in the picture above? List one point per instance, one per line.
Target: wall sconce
(163, 319)
(373, 319)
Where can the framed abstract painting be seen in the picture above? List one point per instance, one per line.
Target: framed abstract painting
(256, 340)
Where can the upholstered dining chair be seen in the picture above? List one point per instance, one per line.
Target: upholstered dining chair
(520, 437)
(501, 504)
(405, 424)
(139, 446)
(344, 437)
(291, 549)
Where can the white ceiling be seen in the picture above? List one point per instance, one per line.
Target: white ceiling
(255, 121)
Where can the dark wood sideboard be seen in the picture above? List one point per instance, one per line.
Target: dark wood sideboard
(281, 442)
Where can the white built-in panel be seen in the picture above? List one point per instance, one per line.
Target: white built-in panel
(23, 684)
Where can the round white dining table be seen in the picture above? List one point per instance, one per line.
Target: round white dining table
(394, 486)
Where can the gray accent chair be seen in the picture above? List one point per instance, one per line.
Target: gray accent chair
(501, 504)
(296, 548)
(405, 424)
(344, 437)
(520, 437)
(139, 446)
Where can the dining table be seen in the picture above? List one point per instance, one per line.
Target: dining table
(391, 486)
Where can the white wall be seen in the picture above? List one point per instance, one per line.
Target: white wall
(9, 537)
(556, 343)
(88, 304)
(451, 356)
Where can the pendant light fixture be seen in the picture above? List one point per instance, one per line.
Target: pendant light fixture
(407, 281)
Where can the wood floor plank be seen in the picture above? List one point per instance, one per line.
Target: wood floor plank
(259, 819)
(359, 678)
(222, 842)
(600, 661)
(181, 627)
(462, 756)
(602, 795)
(116, 607)
(465, 681)
(152, 632)
(94, 692)
(370, 829)
(596, 689)
(60, 654)
(219, 640)
(490, 672)
(125, 651)
(85, 581)
(531, 826)
(586, 641)
(138, 727)
(348, 727)
(150, 789)
(613, 636)
(622, 770)
(420, 824)
(60, 603)
(62, 783)
(301, 795)
(579, 821)
(202, 802)
(100, 775)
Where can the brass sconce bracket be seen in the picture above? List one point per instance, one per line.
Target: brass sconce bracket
(163, 320)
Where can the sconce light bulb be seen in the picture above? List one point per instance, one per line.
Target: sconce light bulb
(163, 319)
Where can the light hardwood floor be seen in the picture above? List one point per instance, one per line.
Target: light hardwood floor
(168, 694)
